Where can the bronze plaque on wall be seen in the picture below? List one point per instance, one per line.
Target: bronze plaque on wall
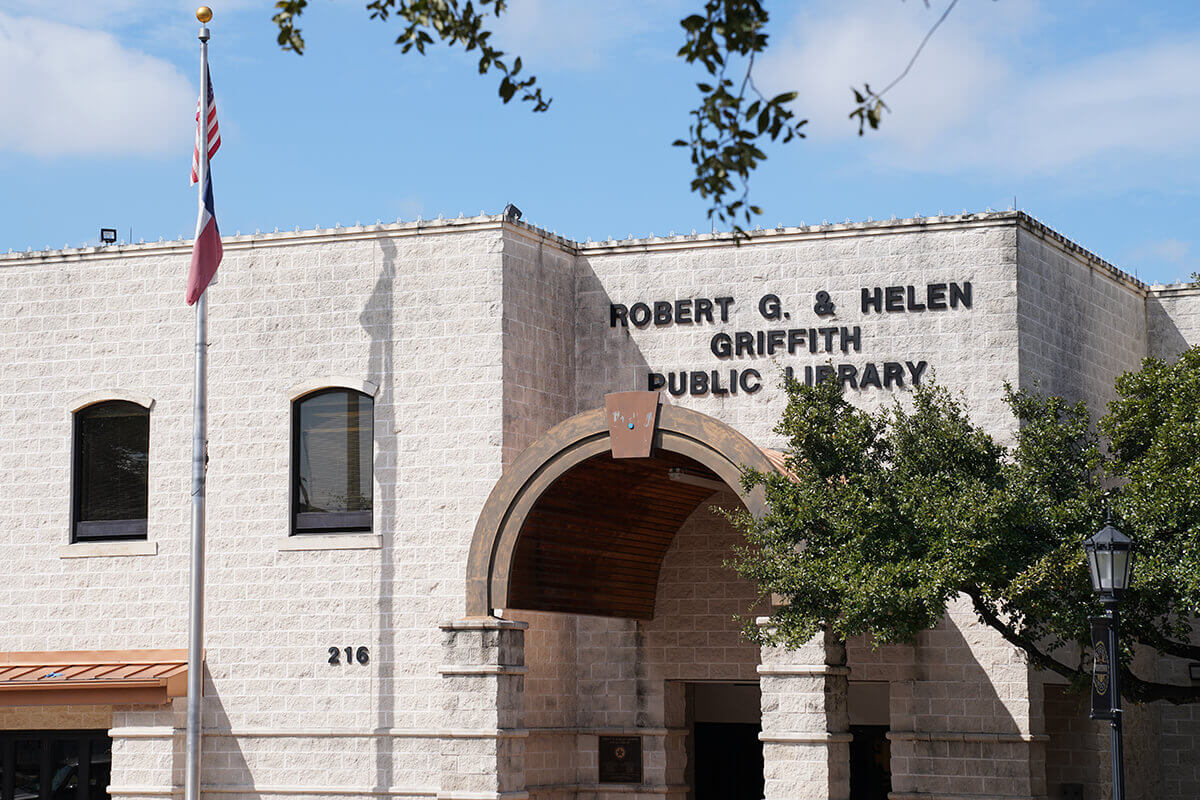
(620, 759)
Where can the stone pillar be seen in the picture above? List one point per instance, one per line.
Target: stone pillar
(805, 725)
(483, 699)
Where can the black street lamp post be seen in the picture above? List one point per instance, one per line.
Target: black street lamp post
(1110, 562)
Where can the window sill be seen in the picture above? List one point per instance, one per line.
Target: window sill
(107, 549)
(332, 541)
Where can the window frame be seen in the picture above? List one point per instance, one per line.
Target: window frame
(326, 522)
(117, 530)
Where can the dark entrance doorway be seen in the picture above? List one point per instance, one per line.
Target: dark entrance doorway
(726, 757)
(870, 763)
(55, 765)
(869, 707)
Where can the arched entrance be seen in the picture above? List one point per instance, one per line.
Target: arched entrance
(573, 539)
(632, 507)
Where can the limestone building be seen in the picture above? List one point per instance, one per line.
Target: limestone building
(431, 574)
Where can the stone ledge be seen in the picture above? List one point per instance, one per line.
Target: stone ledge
(247, 242)
(581, 731)
(483, 624)
(108, 549)
(331, 541)
(159, 732)
(964, 736)
(943, 796)
(519, 795)
(482, 669)
(805, 738)
(788, 669)
(615, 788)
(337, 791)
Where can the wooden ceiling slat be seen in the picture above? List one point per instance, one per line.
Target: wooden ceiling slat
(593, 560)
(636, 544)
(634, 549)
(567, 557)
(595, 522)
(651, 490)
(596, 519)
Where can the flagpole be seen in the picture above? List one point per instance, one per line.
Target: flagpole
(195, 687)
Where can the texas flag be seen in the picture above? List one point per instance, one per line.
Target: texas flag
(206, 251)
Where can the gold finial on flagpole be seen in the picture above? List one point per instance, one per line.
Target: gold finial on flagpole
(204, 14)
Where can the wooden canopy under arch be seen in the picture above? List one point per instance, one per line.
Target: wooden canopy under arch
(574, 527)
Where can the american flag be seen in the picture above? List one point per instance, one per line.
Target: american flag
(214, 134)
(206, 250)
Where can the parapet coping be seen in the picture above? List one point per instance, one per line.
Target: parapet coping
(240, 243)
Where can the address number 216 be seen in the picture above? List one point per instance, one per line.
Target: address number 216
(361, 655)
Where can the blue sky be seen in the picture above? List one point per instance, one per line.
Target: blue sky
(1087, 112)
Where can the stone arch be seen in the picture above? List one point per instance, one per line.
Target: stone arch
(584, 441)
(331, 382)
(104, 395)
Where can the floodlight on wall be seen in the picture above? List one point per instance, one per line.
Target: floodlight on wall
(108, 235)
(683, 476)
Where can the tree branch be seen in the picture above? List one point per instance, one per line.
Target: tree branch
(1036, 656)
(920, 47)
(1171, 647)
(1142, 691)
(870, 104)
(726, 130)
(1132, 686)
(465, 27)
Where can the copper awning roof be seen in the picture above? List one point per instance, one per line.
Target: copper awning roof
(92, 677)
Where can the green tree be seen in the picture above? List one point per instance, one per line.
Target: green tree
(889, 515)
(730, 124)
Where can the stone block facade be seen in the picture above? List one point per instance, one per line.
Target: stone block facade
(475, 337)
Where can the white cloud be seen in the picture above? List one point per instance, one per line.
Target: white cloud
(1132, 102)
(580, 35)
(66, 90)
(978, 99)
(834, 48)
(1171, 251)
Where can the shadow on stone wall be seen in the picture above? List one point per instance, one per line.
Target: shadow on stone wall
(619, 361)
(1074, 760)
(376, 319)
(223, 762)
(954, 732)
(1165, 338)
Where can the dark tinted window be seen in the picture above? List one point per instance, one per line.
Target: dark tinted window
(55, 765)
(112, 446)
(331, 462)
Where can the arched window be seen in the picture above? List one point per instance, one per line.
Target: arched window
(112, 470)
(331, 461)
